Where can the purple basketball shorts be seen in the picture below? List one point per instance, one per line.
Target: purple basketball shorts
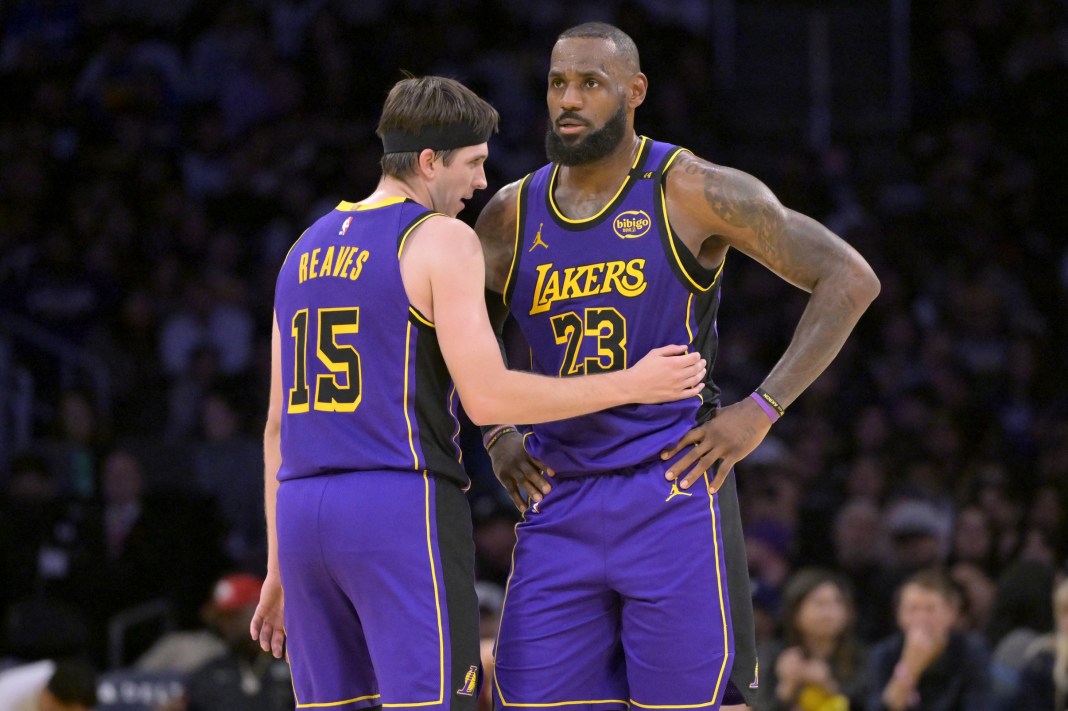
(380, 605)
(617, 598)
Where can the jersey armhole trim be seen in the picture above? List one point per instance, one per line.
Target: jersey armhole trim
(691, 272)
(411, 228)
(520, 203)
(419, 317)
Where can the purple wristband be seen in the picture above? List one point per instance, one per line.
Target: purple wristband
(768, 409)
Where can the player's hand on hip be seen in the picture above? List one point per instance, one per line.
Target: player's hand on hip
(267, 622)
(667, 374)
(727, 438)
(518, 472)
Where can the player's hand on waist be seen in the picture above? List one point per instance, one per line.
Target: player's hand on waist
(522, 476)
(727, 438)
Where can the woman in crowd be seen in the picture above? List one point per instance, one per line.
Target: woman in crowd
(818, 664)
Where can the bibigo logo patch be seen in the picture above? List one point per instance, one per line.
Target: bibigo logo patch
(631, 224)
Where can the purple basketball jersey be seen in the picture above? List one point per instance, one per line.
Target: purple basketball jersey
(365, 387)
(578, 290)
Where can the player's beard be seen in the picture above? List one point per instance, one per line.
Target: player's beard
(593, 147)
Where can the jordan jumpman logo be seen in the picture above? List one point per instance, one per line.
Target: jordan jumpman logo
(676, 491)
(538, 241)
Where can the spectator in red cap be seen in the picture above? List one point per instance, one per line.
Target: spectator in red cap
(236, 591)
(241, 676)
(188, 650)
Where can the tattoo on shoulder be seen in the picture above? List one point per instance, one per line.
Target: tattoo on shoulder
(741, 203)
(501, 227)
(496, 230)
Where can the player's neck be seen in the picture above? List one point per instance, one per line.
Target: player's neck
(603, 174)
(390, 187)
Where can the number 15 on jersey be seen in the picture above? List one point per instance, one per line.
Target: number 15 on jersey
(339, 390)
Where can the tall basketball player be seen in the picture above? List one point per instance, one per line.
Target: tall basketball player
(629, 585)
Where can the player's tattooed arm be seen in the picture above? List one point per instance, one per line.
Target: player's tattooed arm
(496, 229)
(713, 208)
(739, 211)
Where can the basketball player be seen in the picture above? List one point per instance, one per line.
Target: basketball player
(619, 591)
(368, 526)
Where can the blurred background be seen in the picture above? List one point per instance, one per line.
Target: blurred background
(157, 160)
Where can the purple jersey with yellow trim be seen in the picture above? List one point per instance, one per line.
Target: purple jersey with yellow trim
(364, 384)
(596, 295)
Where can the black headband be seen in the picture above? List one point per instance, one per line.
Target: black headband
(438, 138)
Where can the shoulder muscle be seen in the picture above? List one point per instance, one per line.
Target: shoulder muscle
(496, 228)
(722, 201)
(441, 254)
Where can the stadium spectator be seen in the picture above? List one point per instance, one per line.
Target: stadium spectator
(818, 663)
(927, 664)
(242, 677)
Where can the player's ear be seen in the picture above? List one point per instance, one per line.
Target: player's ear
(426, 163)
(636, 90)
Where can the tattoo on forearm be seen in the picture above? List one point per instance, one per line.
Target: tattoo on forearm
(824, 326)
(800, 250)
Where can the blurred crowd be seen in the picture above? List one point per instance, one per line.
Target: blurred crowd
(158, 159)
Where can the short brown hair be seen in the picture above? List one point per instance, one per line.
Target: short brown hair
(415, 103)
(936, 580)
